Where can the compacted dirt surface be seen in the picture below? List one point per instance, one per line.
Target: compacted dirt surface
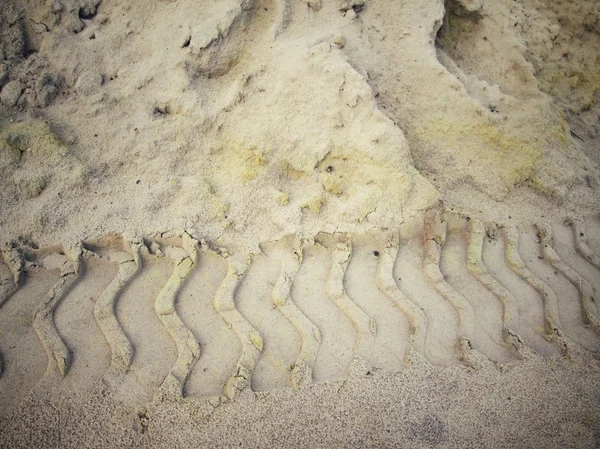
(299, 223)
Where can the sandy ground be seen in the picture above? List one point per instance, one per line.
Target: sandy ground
(531, 404)
(267, 151)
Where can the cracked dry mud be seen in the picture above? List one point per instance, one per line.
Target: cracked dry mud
(286, 223)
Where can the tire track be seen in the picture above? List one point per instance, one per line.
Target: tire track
(510, 319)
(592, 235)
(75, 321)
(302, 370)
(14, 262)
(188, 348)
(341, 249)
(564, 242)
(579, 235)
(489, 324)
(585, 289)
(254, 300)
(220, 347)
(502, 260)
(434, 239)
(283, 17)
(129, 263)
(25, 359)
(303, 311)
(154, 352)
(8, 285)
(389, 348)
(568, 304)
(43, 317)
(442, 320)
(251, 340)
(550, 301)
(386, 283)
(338, 335)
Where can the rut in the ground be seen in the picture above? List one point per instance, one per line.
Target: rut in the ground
(220, 348)
(532, 297)
(570, 312)
(165, 318)
(464, 271)
(281, 340)
(154, 352)
(76, 323)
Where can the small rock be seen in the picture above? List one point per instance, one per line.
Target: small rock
(350, 14)
(88, 82)
(11, 93)
(338, 40)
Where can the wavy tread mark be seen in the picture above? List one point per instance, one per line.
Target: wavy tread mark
(435, 237)
(188, 348)
(387, 285)
(252, 343)
(28, 368)
(254, 301)
(7, 288)
(581, 245)
(13, 260)
(476, 233)
(585, 289)
(284, 15)
(104, 311)
(334, 288)
(443, 330)
(550, 301)
(8, 285)
(338, 334)
(219, 345)
(309, 332)
(43, 317)
(75, 321)
(592, 226)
